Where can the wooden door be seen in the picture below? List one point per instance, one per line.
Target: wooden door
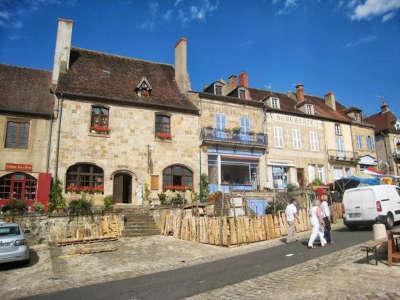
(118, 188)
(300, 177)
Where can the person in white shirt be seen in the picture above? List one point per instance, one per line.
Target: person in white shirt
(326, 216)
(317, 224)
(291, 215)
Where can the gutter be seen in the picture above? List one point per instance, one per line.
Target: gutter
(59, 115)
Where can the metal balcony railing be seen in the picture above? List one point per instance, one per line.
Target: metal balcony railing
(217, 136)
(343, 156)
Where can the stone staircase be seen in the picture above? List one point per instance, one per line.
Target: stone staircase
(138, 222)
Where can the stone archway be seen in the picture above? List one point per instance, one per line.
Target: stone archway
(125, 187)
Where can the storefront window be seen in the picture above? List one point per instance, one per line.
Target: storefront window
(19, 186)
(280, 177)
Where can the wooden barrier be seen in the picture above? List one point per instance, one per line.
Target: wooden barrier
(227, 231)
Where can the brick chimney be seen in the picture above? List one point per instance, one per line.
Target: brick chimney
(244, 79)
(63, 49)
(330, 100)
(232, 82)
(300, 92)
(181, 74)
(384, 107)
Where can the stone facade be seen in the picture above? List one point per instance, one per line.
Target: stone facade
(128, 145)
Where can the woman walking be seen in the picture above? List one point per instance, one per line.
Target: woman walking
(317, 225)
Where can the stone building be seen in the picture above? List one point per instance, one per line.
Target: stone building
(25, 124)
(122, 126)
(387, 135)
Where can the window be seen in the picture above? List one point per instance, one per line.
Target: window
(321, 173)
(338, 129)
(359, 141)
(314, 141)
(244, 125)
(163, 126)
(99, 120)
(339, 146)
(311, 173)
(242, 93)
(218, 89)
(19, 186)
(370, 142)
(278, 137)
(280, 177)
(85, 177)
(220, 123)
(296, 138)
(309, 108)
(17, 134)
(275, 103)
(177, 177)
(143, 89)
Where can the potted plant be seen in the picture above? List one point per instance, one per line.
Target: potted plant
(236, 133)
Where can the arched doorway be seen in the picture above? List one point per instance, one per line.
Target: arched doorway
(122, 187)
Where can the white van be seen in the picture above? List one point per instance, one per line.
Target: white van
(364, 204)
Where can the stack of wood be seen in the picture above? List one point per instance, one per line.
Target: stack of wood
(227, 231)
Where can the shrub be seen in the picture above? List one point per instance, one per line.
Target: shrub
(291, 187)
(317, 182)
(57, 201)
(178, 199)
(15, 207)
(80, 207)
(203, 187)
(108, 201)
(163, 198)
(38, 207)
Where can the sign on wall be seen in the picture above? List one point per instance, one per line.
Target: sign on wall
(18, 167)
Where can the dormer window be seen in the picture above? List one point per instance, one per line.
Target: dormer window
(397, 125)
(358, 117)
(338, 129)
(218, 89)
(309, 109)
(143, 89)
(275, 103)
(242, 93)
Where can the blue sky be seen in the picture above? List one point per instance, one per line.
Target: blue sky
(350, 47)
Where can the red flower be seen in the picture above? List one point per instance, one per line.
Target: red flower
(99, 128)
(164, 135)
(177, 187)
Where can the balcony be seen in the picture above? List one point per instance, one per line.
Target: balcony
(213, 136)
(343, 156)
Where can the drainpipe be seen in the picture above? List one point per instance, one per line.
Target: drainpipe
(59, 115)
(352, 145)
(49, 144)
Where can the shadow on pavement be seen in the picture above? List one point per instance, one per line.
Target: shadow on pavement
(34, 259)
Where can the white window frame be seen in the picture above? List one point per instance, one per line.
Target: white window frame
(275, 103)
(314, 141)
(278, 137)
(359, 141)
(296, 138)
(309, 109)
(338, 129)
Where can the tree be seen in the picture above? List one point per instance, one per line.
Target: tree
(57, 201)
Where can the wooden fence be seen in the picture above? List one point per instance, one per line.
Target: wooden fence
(227, 231)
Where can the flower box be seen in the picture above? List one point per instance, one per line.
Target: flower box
(87, 189)
(177, 187)
(100, 129)
(164, 135)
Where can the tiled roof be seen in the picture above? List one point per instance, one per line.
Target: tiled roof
(114, 78)
(382, 121)
(25, 91)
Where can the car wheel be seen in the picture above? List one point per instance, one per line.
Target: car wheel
(389, 221)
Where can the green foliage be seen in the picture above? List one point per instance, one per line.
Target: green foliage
(203, 187)
(15, 207)
(236, 129)
(195, 197)
(38, 207)
(80, 207)
(146, 192)
(108, 201)
(317, 182)
(178, 199)
(163, 198)
(57, 201)
(291, 187)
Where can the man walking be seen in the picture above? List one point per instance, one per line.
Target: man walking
(326, 214)
(291, 214)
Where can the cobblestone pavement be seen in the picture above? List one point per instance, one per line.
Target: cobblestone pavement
(341, 275)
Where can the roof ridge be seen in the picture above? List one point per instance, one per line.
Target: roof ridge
(26, 68)
(121, 56)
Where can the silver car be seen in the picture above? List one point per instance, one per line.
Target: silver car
(13, 246)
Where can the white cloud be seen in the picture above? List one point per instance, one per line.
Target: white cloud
(168, 14)
(375, 8)
(388, 16)
(286, 6)
(361, 41)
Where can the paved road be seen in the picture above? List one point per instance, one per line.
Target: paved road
(189, 281)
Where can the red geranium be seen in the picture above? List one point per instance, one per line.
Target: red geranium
(164, 135)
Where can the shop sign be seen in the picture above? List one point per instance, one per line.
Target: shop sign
(18, 167)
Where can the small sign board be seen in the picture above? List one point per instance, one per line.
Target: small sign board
(18, 167)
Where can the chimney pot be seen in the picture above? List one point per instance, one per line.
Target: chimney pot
(244, 79)
(330, 100)
(232, 82)
(300, 92)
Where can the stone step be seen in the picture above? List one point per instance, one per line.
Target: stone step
(149, 226)
(132, 233)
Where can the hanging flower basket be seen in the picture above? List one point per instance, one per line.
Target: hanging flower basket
(164, 135)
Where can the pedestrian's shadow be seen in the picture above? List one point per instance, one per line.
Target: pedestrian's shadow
(34, 259)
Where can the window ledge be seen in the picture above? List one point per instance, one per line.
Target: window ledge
(98, 135)
(163, 140)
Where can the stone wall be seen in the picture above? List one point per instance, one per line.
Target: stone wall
(45, 229)
(127, 146)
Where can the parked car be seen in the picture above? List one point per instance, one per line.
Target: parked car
(13, 246)
(364, 205)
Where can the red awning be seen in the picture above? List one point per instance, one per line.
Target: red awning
(373, 170)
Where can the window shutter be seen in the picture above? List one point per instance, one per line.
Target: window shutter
(154, 182)
(11, 135)
(311, 173)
